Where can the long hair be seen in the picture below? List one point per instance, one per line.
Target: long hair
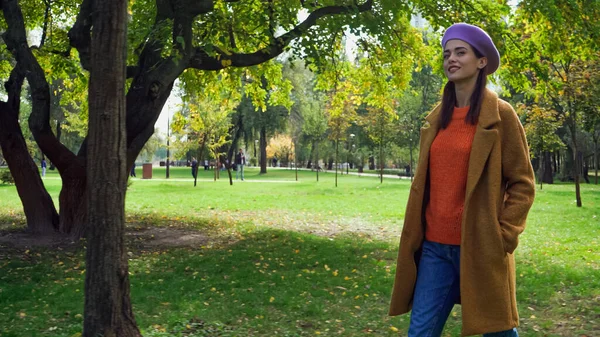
(449, 98)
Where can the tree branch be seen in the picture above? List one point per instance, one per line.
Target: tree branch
(203, 61)
(45, 28)
(80, 33)
(39, 120)
(13, 88)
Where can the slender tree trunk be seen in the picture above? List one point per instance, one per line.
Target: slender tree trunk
(263, 150)
(310, 156)
(596, 160)
(317, 158)
(411, 162)
(381, 162)
(577, 166)
(107, 310)
(337, 141)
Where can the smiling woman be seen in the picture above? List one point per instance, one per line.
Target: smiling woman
(468, 203)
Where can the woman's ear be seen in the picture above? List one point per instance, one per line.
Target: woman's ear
(482, 62)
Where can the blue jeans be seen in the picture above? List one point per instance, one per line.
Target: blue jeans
(436, 291)
(239, 170)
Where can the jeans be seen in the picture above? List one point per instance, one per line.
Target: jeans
(436, 291)
(239, 171)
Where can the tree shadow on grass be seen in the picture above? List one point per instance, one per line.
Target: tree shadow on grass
(270, 283)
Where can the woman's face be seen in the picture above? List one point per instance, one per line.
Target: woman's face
(460, 62)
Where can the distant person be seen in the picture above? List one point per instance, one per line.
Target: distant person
(275, 161)
(132, 173)
(194, 168)
(407, 168)
(240, 161)
(44, 165)
(468, 203)
(206, 165)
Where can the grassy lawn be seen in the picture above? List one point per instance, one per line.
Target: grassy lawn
(280, 257)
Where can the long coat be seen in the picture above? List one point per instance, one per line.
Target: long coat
(499, 193)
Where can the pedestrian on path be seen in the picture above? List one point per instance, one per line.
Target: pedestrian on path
(44, 165)
(240, 161)
(472, 190)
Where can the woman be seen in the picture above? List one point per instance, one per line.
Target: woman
(471, 193)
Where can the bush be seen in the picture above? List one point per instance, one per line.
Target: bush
(6, 177)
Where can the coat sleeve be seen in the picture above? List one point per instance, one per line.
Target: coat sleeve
(518, 177)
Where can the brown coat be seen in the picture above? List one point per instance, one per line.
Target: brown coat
(500, 191)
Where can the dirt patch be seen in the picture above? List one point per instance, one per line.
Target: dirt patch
(149, 238)
(153, 237)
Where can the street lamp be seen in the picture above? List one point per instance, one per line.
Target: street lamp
(350, 149)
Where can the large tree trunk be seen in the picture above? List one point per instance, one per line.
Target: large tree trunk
(263, 150)
(108, 310)
(37, 204)
(72, 199)
(39, 120)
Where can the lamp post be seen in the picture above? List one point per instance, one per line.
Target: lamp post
(168, 147)
(349, 150)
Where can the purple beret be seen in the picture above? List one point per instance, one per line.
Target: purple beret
(478, 39)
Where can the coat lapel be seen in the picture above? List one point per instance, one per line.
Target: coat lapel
(428, 133)
(483, 140)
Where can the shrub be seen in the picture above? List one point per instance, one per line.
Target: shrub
(6, 177)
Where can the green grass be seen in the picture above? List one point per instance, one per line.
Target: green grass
(290, 259)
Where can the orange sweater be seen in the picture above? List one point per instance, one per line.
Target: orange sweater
(448, 166)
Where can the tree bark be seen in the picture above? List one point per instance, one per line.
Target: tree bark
(263, 150)
(547, 174)
(37, 204)
(108, 310)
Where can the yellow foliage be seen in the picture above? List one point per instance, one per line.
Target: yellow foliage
(281, 146)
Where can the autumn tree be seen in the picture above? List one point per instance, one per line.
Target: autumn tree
(548, 40)
(37, 204)
(540, 126)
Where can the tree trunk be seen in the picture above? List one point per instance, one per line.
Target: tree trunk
(577, 160)
(37, 204)
(72, 200)
(547, 174)
(58, 135)
(107, 310)
(317, 159)
(411, 168)
(263, 150)
(310, 156)
(596, 159)
(337, 163)
(381, 162)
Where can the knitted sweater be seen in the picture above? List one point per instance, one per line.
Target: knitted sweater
(448, 167)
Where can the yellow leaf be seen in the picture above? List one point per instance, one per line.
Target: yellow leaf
(271, 299)
(393, 328)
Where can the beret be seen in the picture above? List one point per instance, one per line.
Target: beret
(478, 39)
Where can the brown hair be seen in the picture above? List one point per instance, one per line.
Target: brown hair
(449, 98)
